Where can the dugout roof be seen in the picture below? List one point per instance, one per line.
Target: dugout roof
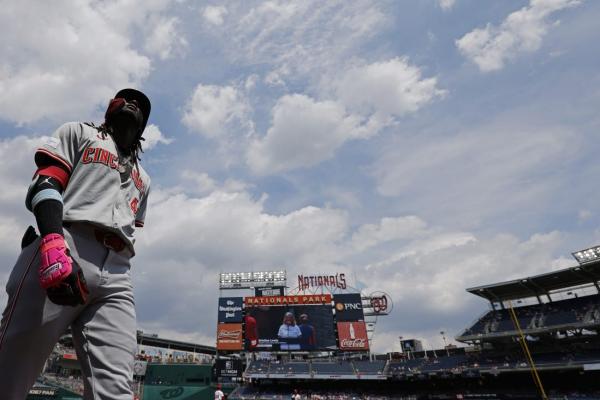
(539, 285)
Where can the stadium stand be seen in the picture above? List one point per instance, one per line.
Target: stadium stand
(580, 312)
(332, 368)
(258, 367)
(369, 367)
(559, 318)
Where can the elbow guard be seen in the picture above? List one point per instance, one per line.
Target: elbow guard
(43, 188)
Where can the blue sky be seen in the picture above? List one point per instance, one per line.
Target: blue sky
(420, 146)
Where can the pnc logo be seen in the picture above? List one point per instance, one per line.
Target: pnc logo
(348, 306)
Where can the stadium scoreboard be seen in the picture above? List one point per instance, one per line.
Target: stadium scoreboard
(302, 322)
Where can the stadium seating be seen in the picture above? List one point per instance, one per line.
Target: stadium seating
(332, 368)
(581, 311)
(445, 363)
(406, 366)
(369, 367)
(258, 367)
(296, 368)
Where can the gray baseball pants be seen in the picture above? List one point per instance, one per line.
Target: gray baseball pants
(104, 329)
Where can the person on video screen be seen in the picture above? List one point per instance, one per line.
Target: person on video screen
(289, 333)
(308, 339)
(251, 339)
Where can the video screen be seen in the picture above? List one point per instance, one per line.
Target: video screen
(289, 327)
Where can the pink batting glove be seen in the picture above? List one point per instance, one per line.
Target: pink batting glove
(56, 264)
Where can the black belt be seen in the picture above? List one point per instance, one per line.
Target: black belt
(110, 240)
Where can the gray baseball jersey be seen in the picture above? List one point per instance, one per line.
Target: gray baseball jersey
(96, 192)
(105, 193)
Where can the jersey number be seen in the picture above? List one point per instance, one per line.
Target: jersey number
(134, 205)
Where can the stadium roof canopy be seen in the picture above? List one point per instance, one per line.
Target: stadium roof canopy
(538, 285)
(152, 340)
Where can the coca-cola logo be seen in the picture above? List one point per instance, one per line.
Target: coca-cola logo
(229, 334)
(357, 343)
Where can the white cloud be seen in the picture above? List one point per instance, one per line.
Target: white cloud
(584, 215)
(446, 4)
(16, 170)
(164, 40)
(228, 228)
(214, 15)
(391, 87)
(216, 111)
(472, 170)
(203, 182)
(154, 136)
(303, 133)
(300, 38)
(428, 283)
(388, 229)
(69, 66)
(521, 32)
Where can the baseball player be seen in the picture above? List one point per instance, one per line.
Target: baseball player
(88, 195)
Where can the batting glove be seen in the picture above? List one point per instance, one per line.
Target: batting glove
(59, 274)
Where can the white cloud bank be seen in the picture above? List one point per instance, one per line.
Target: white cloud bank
(226, 227)
(69, 65)
(164, 39)
(305, 131)
(214, 15)
(392, 87)
(521, 32)
(217, 111)
(425, 268)
(295, 39)
(446, 5)
(154, 136)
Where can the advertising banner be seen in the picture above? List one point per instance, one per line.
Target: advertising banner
(348, 307)
(353, 336)
(229, 368)
(230, 309)
(229, 337)
(306, 299)
(289, 323)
